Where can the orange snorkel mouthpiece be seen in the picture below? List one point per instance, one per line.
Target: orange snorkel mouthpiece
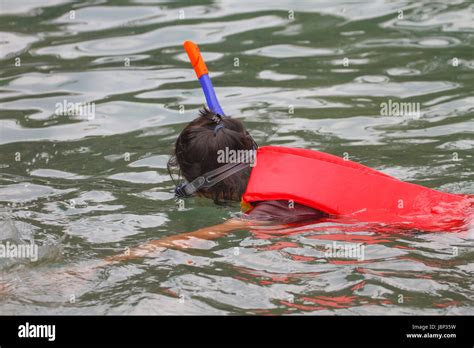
(195, 58)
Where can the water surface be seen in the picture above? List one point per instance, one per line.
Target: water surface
(303, 74)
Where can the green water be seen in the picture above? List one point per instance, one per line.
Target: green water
(88, 187)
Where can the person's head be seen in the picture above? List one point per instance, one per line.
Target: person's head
(197, 150)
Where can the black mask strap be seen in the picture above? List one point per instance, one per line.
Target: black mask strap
(209, 179)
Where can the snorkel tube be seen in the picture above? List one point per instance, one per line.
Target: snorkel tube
(211, 178)
(202, 74)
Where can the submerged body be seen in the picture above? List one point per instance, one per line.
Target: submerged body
(291, 185)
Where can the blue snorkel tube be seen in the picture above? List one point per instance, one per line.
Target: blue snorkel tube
(210, 94)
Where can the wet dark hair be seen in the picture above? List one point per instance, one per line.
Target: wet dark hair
(196, 153)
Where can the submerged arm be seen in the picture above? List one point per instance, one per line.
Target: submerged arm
(180, 240)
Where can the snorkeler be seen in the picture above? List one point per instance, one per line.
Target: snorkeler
(281, 185)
